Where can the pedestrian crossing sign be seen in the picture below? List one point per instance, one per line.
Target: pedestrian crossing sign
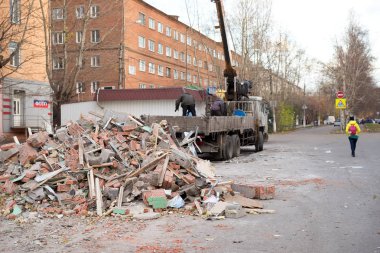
(340, 103)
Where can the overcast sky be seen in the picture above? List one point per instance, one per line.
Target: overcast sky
(314, 25)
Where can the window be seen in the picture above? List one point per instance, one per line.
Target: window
(214, 53)
(57, 38)
(108, 87)
(168, 72)
(210, 67)
(151, 86)
(160, 48)
(95, 36)
(182, 38)
(160, 27)
(175, 74)
(141, 19)
(141, 42)
(176, 35)
(200, 47)
(205, 65)
(151, 68)
(78, 36)
(15, 59)
(188, 77)
(79, 11)
(189, 41)
(168, 52)
(175, 54)
(142, 65)
(194, 79)
(188, 59)
(95, 61)
(94, 86)
(132, 70)
(80, 87)
(142, 85)
(57, 14)
(58, 63)
(160, 70)
(151, 45)
(200, 63)
(194, 61)
(15, 11)
(16, 106)
(94, 11)
(182, 75)
(152, 24)
(168, 31)
(182, 56)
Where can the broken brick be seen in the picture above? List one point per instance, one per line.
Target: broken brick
(37, 140)
(63, 187)
(8, 146)
(27, 154)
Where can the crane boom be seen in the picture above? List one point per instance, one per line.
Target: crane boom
(229, 72)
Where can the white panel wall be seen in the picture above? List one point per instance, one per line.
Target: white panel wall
(149, 107)
(73, 111)
(135, 107)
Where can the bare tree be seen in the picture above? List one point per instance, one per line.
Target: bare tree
(15, 34)
(67, 43)
(351, 69)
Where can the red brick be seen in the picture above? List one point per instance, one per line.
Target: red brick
(174, 166)
(4, 178)
(128, 128)
(63, 188)
(27, 154)
(72, 159)
(168, 180)
(153, 193)
(71, 181)
(30, 173)
(38, 139)
(189, 178)
(8, 146)
(265, 191)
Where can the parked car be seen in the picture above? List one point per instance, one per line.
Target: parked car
(330, 120)
(377, 121)
(337, 122)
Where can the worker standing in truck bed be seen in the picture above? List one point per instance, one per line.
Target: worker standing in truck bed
(187, 102)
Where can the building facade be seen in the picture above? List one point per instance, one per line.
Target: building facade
(128, 44)
(25, 92)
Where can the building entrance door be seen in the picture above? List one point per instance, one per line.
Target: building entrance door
(16, 112)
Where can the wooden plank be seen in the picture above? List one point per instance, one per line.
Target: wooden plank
(91, 184)
(243, 201)
(16, 140)
(81, 151)
(163, 171)
(99, 198)
(120, 197)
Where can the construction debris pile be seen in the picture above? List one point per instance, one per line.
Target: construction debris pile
(105, 167)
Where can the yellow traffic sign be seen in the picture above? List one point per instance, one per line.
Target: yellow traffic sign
(340, 103)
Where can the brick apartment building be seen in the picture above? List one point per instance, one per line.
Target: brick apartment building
(129, 44)
(25, 94)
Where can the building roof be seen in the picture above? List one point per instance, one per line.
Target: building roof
(148, 94)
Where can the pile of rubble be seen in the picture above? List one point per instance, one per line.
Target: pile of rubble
(105, 167)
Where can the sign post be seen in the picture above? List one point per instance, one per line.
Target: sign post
(340, 103)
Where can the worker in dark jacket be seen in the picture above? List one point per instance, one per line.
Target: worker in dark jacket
(218, 107)
(187, 102)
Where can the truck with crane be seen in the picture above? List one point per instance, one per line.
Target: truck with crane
(245, 123)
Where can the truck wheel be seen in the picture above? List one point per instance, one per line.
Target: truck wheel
(236, 145)
(261, 141)
(228, 148)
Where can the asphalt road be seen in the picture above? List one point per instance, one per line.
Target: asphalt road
(331, 201)
(327, 201)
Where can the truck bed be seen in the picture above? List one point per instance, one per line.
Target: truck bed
(206, 125)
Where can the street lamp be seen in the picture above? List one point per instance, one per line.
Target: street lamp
(304, 107)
